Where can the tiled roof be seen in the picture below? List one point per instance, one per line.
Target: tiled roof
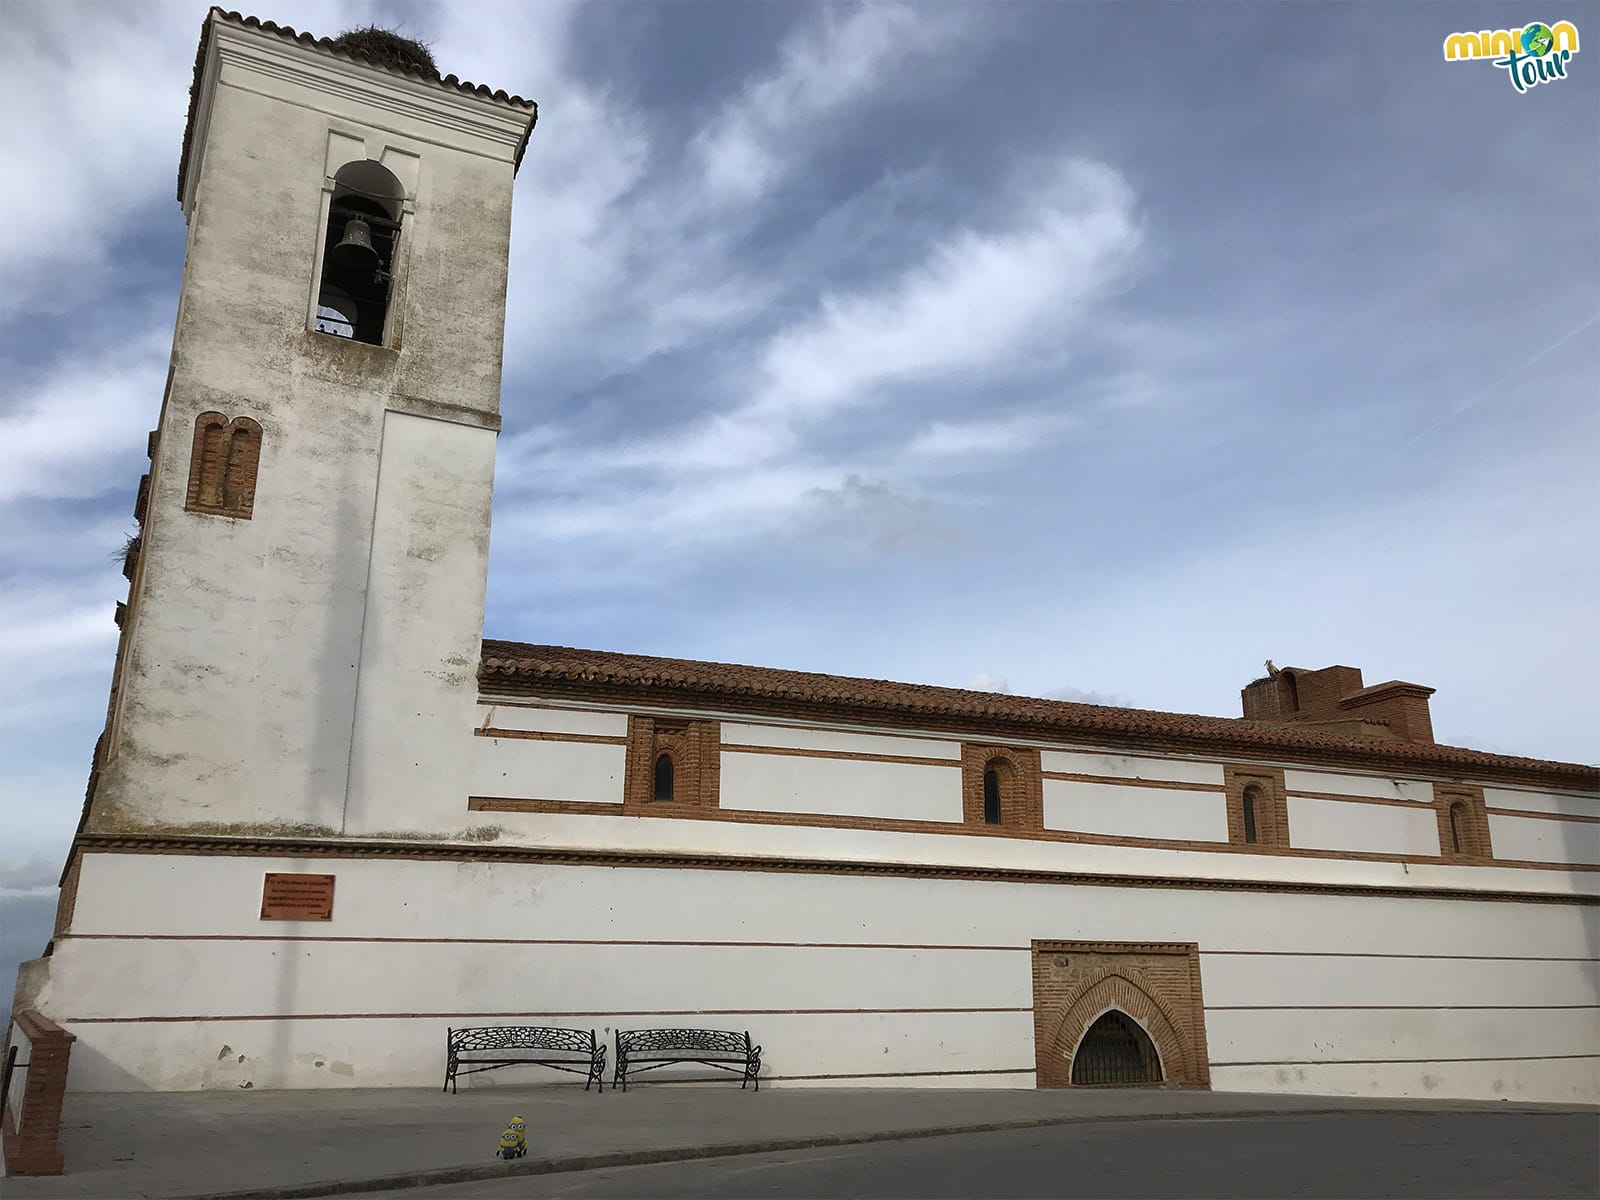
(326, 45)
(514, 666)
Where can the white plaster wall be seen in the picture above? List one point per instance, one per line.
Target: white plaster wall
(1124, 766)
(1316, 980)
(423, 627)
(1388, 1034)
(1145, 812)
(552, 720)
(238, 702)
(1563, 803)
(1532, 839)
(1534, 1080)
(1343, 784)
(957, 849)
(844, 787)
(1353, 825)
(531, 768)
(825, 972)
(797, 738)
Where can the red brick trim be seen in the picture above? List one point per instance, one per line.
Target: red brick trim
(32, 1137)
(512, 671)
(1460, 810)
(223, 463)
(752, 816)
(540, 735)
(1271, 807)
(353, 849)
(1157, 984)
(695, 750)
(1021, 789)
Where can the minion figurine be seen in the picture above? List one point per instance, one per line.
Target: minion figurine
(514, 1141)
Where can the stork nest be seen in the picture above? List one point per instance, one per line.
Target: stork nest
(386, 46)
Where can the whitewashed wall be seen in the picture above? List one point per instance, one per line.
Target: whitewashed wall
(844, 787)
(526, 768)
(1359, 826)
(1145, 812)
(1303, 992)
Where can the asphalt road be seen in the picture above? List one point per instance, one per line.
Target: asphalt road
(1550, 1156)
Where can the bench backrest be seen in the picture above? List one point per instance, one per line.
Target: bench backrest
(521, 1037)
(637, 1040)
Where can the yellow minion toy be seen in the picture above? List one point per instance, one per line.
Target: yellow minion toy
(514, 1141)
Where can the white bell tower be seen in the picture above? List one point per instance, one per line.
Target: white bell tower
(301, 640)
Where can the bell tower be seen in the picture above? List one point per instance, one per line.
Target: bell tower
(301, 639)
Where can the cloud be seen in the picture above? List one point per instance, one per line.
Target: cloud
(827, 65)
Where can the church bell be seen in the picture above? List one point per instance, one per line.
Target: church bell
(355, 251)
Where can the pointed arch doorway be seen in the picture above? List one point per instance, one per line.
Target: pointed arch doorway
(1115, 1051)
(1119, 1014)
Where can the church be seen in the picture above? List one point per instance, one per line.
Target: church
(328, 820)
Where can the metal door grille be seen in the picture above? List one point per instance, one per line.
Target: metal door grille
(1115, 1051)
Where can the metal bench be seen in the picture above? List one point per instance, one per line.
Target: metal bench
(468, 1051)
(647, 1049)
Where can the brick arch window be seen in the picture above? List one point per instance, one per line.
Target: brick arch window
(1258, 809)
(662, 791)
(1459, 837)
(1001, 787)
(223, 466)
(1250, 804)
(1463, 824)
(991, 792)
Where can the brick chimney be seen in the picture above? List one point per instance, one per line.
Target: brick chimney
(1333, 700)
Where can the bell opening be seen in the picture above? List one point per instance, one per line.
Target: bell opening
(356, 274)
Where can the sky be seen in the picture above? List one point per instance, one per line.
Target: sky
(1094, 351)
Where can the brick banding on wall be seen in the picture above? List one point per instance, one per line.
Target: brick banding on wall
(32, 1132)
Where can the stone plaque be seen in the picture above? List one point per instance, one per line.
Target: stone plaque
(297, 897)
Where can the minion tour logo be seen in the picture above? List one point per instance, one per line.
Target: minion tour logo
(1535, 54)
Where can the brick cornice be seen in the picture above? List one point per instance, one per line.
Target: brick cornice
(560, 856)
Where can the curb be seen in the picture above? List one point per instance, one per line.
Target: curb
(442, 1176)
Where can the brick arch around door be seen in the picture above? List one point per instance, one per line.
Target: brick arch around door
(1156, 985)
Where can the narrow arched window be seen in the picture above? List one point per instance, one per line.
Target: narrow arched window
(1458, 827)
(222, 467)
(1249, 806)
(991, 796)
(358, 252)
(663, 788)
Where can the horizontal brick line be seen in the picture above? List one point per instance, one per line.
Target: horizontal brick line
(1384, 1062)
(810, 820)
(568, 1014)
(1384, 954)
(1174, 784)
(1391, 801)
(541, 735)
(849, 755)
(1395, 1007)
(309, 937)
(205, 845)
(1576, 818)
(855, 1075)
